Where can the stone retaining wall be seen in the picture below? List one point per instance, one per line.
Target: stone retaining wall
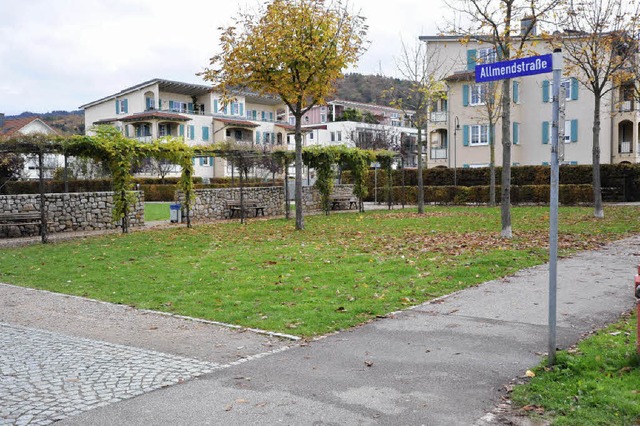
(311, 196)
(211, 203)
(82, 211)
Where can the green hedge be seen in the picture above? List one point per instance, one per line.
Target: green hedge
(624, 178)
(520, 194)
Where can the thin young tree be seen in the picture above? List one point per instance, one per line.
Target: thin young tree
(425, 71)
(294, 49)
(491, 113)
(495, 22)
(600, 50)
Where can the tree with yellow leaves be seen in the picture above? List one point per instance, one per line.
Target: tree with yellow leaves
(294, 49)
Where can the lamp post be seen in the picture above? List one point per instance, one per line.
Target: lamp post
(456, 124)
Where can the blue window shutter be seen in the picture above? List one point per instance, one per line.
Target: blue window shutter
(242, 109)
(516, 133)
(465, 135)
(126, 130)
(574, 130)
(117, 106)
(170, 105)
(193, 160)
(465, 166)
(265, 137)
(545, 132)
(211, 161)
(159, 104)
(545, 91)
(192, 132)
(148, 102)
(273, 138)
(190, 107)
(270, 116)
(205, 133)
(182, 130)
(202, 161)
(516, 92)
(224, 109)
(574, 163)
(574, 89)
(264, 116)
(471, 59)
(545, 163)
(215, 106)
(125, 106)
(257, 136)
(465, 95)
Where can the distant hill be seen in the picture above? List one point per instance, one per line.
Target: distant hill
(369, 89)
(65, 122)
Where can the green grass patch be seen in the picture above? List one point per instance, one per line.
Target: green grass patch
(343, 270)
(156, 211)
(598, 383)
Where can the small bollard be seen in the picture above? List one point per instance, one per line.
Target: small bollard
(637, 293)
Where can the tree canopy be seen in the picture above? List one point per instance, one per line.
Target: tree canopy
(293, 49)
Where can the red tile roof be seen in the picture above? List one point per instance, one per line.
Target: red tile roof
(154, 115)
(14, 125)
(236, 122)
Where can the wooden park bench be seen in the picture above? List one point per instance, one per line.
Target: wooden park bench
(20, 219)
(338, 201)
(249, 205)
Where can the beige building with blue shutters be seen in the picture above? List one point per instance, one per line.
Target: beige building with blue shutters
(466, 128)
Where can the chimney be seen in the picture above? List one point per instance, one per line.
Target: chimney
(528, 23)
(1, 120)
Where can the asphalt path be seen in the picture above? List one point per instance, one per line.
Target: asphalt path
(441, 363)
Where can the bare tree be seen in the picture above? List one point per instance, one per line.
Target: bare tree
(425, 72)
(600, 51)
(494, 22)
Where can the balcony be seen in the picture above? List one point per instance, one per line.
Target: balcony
(626, 106)
(439, 117)
(625, 148)
(438, 153)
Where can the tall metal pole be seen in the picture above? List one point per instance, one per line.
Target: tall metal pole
(553, 205)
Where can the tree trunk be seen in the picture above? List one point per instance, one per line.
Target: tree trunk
(43, 212)
(298, 195)
(505, 209)
(404, 192)
(287, 206)
(420, 180)
(492, 165)
(598, 210)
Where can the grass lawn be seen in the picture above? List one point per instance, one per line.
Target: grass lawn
(156, 211)
(344, 269)
(598, 383)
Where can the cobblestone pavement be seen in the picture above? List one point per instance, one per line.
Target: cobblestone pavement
(45, 376)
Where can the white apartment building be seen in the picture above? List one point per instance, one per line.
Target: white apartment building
(157, 108)
(459, 131)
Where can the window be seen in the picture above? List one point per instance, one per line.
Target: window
(204, 161)
(176, 106)
(234, 108)
(292, 121)
(339, 135)
(333, 136)
(306, 118)
(486, 55)
(479, 134)
(311, 135)
(122, 106)
(238, 135)
(164, 130)
(323, 118)
(569, 85)
(478, 93)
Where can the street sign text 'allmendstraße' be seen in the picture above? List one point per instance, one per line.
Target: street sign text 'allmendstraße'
(515, 68)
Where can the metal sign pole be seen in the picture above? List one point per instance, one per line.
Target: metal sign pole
(553, 205)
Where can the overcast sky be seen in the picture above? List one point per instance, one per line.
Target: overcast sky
(60, 54)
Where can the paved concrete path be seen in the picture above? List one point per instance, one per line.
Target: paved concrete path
(443, 363)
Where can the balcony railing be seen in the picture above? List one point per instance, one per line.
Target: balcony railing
(438, 153)
(439, 117)
(626, 106)
(625, 147)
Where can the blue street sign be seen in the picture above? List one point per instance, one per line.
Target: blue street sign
(515, 68)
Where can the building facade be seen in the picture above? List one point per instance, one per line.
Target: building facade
(159, 108)
(28, 126)
(465, 120)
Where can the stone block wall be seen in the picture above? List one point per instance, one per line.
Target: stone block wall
(311, 196)
(82, 211)
(212, 203)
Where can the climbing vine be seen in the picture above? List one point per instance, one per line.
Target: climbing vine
(322, 160)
